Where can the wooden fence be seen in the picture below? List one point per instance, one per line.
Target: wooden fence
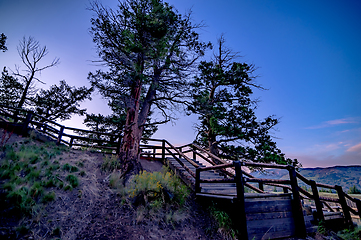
(22, 120)
(232, 170)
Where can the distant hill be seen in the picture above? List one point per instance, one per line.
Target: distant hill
(345, 176)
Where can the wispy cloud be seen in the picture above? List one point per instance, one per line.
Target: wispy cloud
(336, 122)
(355, 148)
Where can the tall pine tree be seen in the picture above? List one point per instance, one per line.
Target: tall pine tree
(149, 49)
(228, 126)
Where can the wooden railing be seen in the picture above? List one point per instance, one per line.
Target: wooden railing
(232, 170)
(243, 179)
(23, 120)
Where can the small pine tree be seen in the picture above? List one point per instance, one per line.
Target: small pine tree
(354, 190)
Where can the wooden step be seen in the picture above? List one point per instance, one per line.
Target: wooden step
(332, 215)
(208, 195)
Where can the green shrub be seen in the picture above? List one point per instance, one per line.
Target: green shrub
(110, 163)
(353, 234)
(224, 221)
(162, 186)
(73, 180)
(68, 188)
(48, 197)
(70, 168)
(73, 169)
(36, 190)
(115, 181)
(80, 164)
(66, 167)
(33, 174)
(49, 183)
(321, 228)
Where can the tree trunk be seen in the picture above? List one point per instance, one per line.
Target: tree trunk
(213, 146)
(129, 151)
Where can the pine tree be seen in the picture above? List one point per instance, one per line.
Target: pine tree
(228, 126)
(150, 50)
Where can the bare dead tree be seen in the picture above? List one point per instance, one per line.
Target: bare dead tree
(31, 53)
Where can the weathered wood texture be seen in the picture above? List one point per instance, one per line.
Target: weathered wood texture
(269, 217)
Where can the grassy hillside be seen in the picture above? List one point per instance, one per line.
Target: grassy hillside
(345, 176)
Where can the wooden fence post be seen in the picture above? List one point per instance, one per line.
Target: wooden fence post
(316, 198)
(61, 131)
(163, 151)
(345, 210)
(358, 205)
(300, 227)
(261, 186)
(71, 142)
(240, 205)
(198, 177)
(194, 155)
(28, 118)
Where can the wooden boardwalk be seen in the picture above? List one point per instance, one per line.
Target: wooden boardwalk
(267, 215)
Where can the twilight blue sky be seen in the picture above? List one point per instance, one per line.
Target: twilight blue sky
(308, 55)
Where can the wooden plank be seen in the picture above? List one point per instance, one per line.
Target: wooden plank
(270, 226)
(217, 185)
(267, 197)
(325, 185)
(330, 217)
(271, 235)
(232, 192)
(265, 180)
(219, 188)
(220, 166)
(268, 206)
(215, 196)
(265, 165)
(270, 215)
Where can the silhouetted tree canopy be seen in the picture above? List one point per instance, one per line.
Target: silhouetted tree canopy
(3, 42)
(10, 89)
(61, 101)
(228, 125)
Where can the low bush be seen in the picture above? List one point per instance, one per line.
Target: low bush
(225, 225)
(73, 180)
(48, 197)
(159, 196)
(351, 234)
(110, 163)
(161, 186)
